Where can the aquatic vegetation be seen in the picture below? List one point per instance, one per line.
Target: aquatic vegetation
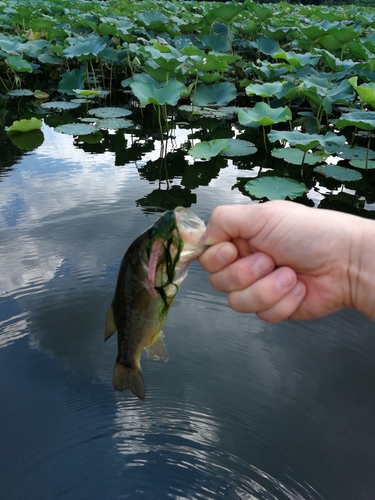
(297, 82)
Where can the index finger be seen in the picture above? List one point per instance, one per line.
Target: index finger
(228, 222)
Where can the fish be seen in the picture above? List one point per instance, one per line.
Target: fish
(149, 277)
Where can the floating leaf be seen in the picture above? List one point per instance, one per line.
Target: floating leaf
(24, 126)
(110, 112)
(76, 129)
(369, 165)
(39, 94)
(295, 156)
(264, 115)
(59, 105)
(338, 173)
(357, 153)
(21, 93)
(305, 141)
(113, 123)
(239, 147)
(209, 149)
(275, 188)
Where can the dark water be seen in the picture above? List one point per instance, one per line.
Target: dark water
(242, 410)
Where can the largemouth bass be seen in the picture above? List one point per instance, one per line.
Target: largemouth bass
(150, 274)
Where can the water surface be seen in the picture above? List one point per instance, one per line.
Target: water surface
(242, 410)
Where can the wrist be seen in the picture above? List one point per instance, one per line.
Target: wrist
(362, 267)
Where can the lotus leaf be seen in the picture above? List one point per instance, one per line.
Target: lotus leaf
(109, 112)
(275, 188)
(265, 89)
(366, 165)
(305, 141)
(59, 105)
(239, 147)
(27, 141)
(73, 80)
(17, 63)
(298, 157)
(209, 149)
(217, 94)
(113, 123)
(20, 93)
(366, 91)
(365, 120)
(84, 47)
(338, 173)
(160, 94)
(262, 114)
(76, 129)
(24, 126)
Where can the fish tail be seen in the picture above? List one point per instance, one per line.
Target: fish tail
(129, 378)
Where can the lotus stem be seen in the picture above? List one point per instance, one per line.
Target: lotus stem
(93, 73)
(368, 148)
(265, 139)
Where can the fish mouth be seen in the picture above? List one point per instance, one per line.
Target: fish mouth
(189, 225)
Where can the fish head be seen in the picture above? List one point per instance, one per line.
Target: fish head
(189, 225)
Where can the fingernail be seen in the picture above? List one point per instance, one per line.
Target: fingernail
(225, 254)
(298, 289)
(263, 265)
(284, 279)
(203, 238)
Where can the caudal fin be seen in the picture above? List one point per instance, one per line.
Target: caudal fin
(129, 378)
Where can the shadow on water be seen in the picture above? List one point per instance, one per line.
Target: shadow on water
(242, 410)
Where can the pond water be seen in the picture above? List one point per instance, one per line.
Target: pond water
(243, 409)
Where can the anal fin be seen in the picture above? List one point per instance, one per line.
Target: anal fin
(110, 325)
(157, 349)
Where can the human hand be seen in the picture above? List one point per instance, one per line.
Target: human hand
(282, 260)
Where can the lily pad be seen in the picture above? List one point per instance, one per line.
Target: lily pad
(239, 147)
(209, 149)
(76, 129)
(113, 123)
(110, 112)
(275, 188)
(21, 93)
(59, 105)
(295, 156)
(304, 141)
(338, 173)
(357, 153)
(369, 165)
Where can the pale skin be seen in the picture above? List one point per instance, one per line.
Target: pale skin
(282, 260)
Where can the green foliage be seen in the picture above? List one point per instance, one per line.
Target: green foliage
(307, 72)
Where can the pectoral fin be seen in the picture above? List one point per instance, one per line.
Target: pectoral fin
(157, 349)
(110, 325)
